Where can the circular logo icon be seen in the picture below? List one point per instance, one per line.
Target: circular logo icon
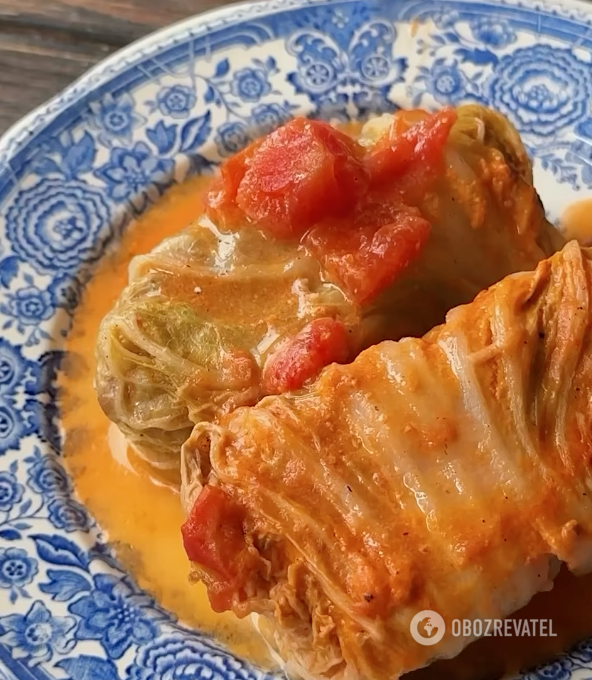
(427, 627)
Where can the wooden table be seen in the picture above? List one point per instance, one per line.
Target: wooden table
(46, 44)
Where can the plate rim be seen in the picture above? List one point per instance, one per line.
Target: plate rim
(29, 124)
(18, 131)
(36, 121)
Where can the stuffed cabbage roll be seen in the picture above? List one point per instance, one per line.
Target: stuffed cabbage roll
(188, 336)
(315, 245)
(450, 473)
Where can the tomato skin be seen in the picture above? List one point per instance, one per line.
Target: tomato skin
(285, 183)
(220, 595)
(213, 534)
(301, 358)
(366, 257)
(220, 200)
(419, 148)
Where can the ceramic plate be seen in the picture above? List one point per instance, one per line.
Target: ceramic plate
(75, 172)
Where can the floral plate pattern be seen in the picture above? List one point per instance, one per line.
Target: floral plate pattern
(75, 172)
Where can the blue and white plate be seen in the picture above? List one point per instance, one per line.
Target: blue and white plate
(76, 171)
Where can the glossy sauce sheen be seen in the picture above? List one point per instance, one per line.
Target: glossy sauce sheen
(142, 515)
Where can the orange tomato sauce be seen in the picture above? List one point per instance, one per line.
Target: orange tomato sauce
(142, 518)
(142, 515)
(576, 222)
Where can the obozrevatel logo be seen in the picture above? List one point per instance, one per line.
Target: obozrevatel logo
(427, 627)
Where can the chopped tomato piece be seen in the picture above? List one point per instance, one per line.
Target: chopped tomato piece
(421, 146)
(213, 534)
(303, 172)
(299, 174)
(318, 344)
(221, 198)
(220, 594)
(365, 257)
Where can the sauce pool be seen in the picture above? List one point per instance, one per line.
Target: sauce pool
(142, 514)
(576, 222)
(142, 518)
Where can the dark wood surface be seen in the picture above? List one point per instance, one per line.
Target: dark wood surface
(46, 44)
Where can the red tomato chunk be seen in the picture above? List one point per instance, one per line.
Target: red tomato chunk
(367, 257)
(301, 358)
(213, 538)
(298, 175)
(422, 146)
(309, 181)
(212, 534)
(221, 198)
